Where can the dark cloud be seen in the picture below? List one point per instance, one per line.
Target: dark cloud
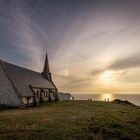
(96, 71)
(120, 64)
(125, 63)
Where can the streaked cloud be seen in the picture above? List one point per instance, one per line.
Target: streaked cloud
(128, 62)
(83, 39)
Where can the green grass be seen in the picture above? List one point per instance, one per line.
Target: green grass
(71, 120)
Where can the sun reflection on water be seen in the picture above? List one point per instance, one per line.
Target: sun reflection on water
(106, 97)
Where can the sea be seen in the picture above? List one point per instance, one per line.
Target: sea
(133, 98)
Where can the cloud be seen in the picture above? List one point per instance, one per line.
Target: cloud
(96, 71)
(21, 37)
(121, 64)
(71, 83)
(126, 63)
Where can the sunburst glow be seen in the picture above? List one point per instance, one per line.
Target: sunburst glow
(106, 76)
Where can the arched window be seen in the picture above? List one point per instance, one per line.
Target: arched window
(47, 93)
(37, 94)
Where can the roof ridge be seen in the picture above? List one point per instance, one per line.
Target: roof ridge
(19, 66)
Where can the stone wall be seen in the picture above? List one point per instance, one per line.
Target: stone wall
(64, 96)
(7, 94)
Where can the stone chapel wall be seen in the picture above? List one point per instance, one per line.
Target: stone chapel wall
(7, 94)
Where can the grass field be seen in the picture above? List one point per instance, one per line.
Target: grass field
(71, 120)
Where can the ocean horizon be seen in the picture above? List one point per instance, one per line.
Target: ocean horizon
(133, 98)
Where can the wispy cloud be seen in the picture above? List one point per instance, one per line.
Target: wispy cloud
(126, 63)
(82, 38)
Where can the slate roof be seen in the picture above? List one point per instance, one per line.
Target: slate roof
(23, 77)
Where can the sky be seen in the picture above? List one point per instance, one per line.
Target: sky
(93, 46)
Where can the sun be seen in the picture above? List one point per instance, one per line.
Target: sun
(106, 76)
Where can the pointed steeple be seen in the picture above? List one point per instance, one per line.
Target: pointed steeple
(46, 65)
(46, 70)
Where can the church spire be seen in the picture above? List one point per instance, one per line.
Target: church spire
(46, 70)
(46, 65)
